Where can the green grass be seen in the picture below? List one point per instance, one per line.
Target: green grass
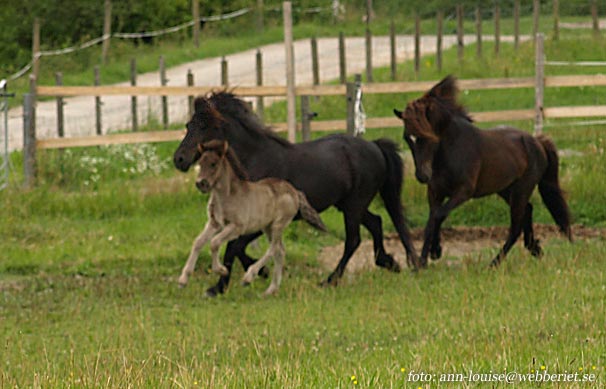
(89, 261)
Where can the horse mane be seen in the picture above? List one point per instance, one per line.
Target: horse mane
(218, 146)
(232, 106)
(445, 93)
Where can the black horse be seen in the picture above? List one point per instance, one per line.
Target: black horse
(338, 170)
(458, 161)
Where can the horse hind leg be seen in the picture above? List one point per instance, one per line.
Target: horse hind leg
(278, 268)
(530, 242)
(517, 213)
(373, 224)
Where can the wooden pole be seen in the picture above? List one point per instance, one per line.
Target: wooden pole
(516, 24)
(190, 98)
(133, 99)
(478, 32)
(460, 43)
(224, 72)
(36, 48)
(260, 100)
(342, 63)
(368, 55)
(260, 21)
(163, 82)
(306, 116)
(539, 84)
(497, 29)
(290, 72)
(536, 10)
(195, 12)
(594, 17)
(60, 121)
(107, 30)
(417, 45)
(439, 36)
(350, 95)
(315, 64)
(97, 82)
(392, 52)
(556, 20)
(29, 135)
(370, 13)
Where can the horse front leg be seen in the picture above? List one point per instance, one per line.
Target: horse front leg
(438, 213)
(235, 248)
(229, 232)
(517, 212)
(352, 241)
(208, 231)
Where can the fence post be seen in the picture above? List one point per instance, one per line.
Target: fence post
(260, 101)
(163, 82)
(351, 88)
(478, 32)
(60, 122)
(315, 65)
(195, 15)
(260, 22)
(306, 117)
(133, 99)
(594, 17)
(98, 103)
(556, 20)
(392, 52)
(368, 55)
(36, 48)
(460, 43)
(107, 29)
(417, 45)
(190, 98)
(29, 135)
(291, 97)
(342, 63)
(224, 72)
(497, 29)
(516, 24)
(440, 33)
(536, 10)
(539, 83)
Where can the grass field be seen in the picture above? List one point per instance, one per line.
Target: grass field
(89, 261)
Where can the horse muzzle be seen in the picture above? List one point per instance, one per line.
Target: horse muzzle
(423, 175)
(203, 186)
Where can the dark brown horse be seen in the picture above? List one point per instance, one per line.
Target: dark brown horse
(458, 162)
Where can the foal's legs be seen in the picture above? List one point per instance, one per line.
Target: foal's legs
(278, 267)
(234, 248)
(253, 269)
(207, 233)
(229, 232)
(373, 224)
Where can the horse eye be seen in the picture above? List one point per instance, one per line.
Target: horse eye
(213, 165)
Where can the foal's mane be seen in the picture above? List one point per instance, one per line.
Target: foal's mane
(230, 105)
(218, 146)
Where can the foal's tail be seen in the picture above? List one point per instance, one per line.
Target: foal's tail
(549, 188)
(391, 192)
(308, 213)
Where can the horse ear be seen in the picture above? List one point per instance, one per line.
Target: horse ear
(200, 148)
(225, 147)
(398, 113)
(445, 89)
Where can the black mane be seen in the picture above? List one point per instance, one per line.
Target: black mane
(230, 105)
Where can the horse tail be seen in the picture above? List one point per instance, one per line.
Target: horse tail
(391, 192)
(308, 213)
(549, 188)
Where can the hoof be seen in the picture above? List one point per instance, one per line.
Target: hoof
(221, 270)
(436, 253)
(535, 249)
(495, 263)
(270, 291)
(182, 285)
(386, 261)
(213, 292)
(330, 281)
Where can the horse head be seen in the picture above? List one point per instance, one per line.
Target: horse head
(205, 124)
(424, 122)
(211, 160)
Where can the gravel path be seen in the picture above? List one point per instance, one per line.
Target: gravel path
(79, 111)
